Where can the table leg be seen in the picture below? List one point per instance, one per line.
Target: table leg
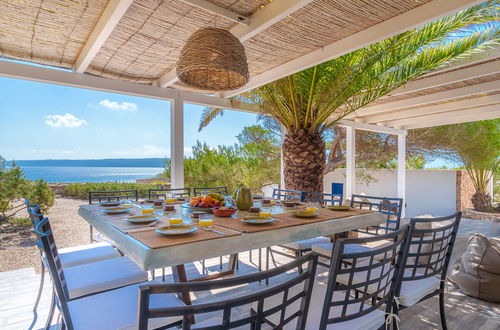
(179, 274)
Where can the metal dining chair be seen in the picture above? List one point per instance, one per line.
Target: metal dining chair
(198, 191)
(282, 194)
(357, 290)
(177, 192)
(73, 256)
(430, 247)
(112, 309)
(110, 196)
(299, 248)
(255, 303)
(85, 279)
(390, 207)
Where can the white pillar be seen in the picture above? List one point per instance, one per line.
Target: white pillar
(402, 170)
(177, 143)
(350, 170)
(282, 167)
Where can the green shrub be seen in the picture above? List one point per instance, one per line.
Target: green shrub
(81, 190)
(21, 222)
(41, 194)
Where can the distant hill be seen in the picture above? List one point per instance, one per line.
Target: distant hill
(115, 162)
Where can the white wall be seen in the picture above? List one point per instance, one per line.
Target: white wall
(427, 191)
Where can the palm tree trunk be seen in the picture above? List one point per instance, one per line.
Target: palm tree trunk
(304, 161)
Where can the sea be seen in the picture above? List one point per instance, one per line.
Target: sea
(90, 173)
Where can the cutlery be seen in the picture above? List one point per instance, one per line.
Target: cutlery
(215, 231)
(143, 226)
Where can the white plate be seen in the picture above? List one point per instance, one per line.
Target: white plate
(115, 203)
(258, 220)
(176, 230)
(116, 210)
(142, 218)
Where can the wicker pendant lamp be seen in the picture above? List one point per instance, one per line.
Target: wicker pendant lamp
(213, 59)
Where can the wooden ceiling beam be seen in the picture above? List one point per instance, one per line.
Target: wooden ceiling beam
(110, 17)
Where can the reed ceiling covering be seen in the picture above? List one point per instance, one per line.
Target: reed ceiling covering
(146, 42)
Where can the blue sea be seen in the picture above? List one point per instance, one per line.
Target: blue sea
(89, 174)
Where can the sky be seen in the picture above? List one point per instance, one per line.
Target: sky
(43, 121)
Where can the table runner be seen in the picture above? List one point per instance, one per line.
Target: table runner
(285, 219)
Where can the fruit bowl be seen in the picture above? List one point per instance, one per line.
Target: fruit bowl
(206, 202)
(224, 211)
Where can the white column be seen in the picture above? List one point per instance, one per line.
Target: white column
(402, 170)
(177, 143)
(282, 167)
(350, 170)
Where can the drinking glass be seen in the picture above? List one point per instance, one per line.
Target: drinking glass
(147, 209)
(206, 220)
(312, 207)
(265, 212)
(175, 220)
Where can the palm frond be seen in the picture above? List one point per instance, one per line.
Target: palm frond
(208, 115)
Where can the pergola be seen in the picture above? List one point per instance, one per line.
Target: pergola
(132, 47)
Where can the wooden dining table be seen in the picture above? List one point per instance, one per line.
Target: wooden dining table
(151, 250)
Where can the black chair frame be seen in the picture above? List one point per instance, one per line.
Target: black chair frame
(219, 190)
(256, 317)
(348, 264)
(282, 194)
(178, 192)
(442, 240)
(323, 198)
(390, 206)
(109, 196)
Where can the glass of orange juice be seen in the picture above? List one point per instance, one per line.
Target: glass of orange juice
(175, 221)
(312, 207)
(147, 209)
(265, 212)
(206, 220)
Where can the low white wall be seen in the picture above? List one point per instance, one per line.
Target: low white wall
(427, 191)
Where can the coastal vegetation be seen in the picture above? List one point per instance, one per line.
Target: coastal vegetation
(81, 190)
(14, 187)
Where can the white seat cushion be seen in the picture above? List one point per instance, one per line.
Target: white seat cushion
(102, 276)
(84, 254)
(413, 291)
(325, 249)
(306, 244)
(118, 309)
(371, 320)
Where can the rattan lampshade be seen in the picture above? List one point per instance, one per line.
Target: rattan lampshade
(213, 59)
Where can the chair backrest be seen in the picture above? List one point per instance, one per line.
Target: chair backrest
(360, 282)
(283, 194)
(390, 206)
(323, 198)
(48, 245)
(108, 196)
(33, 211)
(178, 192)
(430, 246)
(219, 190)
(284, 289)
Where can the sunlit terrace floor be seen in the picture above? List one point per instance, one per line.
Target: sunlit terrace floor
(18, 290)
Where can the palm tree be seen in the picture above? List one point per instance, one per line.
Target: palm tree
(311, 101)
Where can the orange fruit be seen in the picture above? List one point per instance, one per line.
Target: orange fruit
(194, 201)
(208, 199)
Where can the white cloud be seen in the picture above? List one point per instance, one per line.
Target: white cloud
(66, 120)
(116, 106)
